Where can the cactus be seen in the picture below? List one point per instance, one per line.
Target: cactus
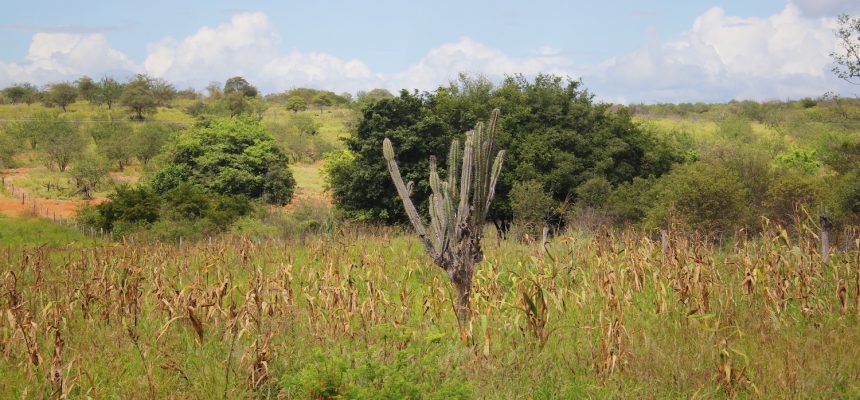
(458, 209)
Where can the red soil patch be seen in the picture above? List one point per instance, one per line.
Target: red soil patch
(47, 208)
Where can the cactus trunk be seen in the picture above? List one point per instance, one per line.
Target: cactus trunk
(458, 209)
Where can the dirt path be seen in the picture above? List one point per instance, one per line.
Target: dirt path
(11, 204)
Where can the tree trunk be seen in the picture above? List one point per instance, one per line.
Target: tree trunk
(463, 285)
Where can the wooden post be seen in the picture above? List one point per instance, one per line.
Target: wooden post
(826, 224)
(664, 240)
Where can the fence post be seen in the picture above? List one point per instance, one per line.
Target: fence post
(826, 224)
(664, 240)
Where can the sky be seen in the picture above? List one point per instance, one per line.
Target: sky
(623, 50)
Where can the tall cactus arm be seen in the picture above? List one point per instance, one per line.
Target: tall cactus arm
(465, 186)
(411, 212)
(496, 171)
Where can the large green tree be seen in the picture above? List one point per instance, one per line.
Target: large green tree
(139, 96)
(554, 132)
(148, 141)
(238, 84)
(21, 93)
(109, 91)
(360, 182)
(230, 156)
(87, 88)
(113, 140)
(60, 139)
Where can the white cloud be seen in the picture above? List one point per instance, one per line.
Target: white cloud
(238, 47)
(443, 63)
(248, 46)
(723, 57)
(719, 58)
(827, 8)
(53, 57)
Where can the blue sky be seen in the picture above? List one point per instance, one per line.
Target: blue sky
(627, 51)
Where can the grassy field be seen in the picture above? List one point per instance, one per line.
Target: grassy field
(24, 231)
(83, 111)
(362, 314)
(308, 178)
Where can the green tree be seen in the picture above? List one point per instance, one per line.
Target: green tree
(556, 134)
(62, 94)
(148, 141)
(364, 99)
(304, 125)
(238, 104)
(88, 173)
(234, 156)
(113, 140)
(788, 192)
(138, 96)
(87, 88)
(848, 197)
(109, 91)
(553, 131)
(163, 91)
(21, 93)
(296, 104)
(847, 57)
(60, 139)
(238, 84)
(321, 101)
(362, 189)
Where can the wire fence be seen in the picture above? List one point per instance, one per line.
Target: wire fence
(46, 208)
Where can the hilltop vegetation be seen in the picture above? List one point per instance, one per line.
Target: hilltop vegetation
(712, 167)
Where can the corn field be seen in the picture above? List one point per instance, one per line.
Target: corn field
(365, 315)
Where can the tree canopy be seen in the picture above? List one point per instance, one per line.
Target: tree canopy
(234, 156)
(238, 84)
(553, 131)
(62, 94)
(139, 96)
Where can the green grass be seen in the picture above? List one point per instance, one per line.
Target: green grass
(36, 183)
(308, 177)
(24, 231)
(84, 111)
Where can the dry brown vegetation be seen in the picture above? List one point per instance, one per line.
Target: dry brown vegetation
(361, 314)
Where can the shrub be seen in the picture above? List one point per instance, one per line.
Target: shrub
(531, 206)
(735, 129)
(803, 160)
(705, 196)
(128, 207)
(593, 193)
(848, 197)
(789, 191)
(630, 201)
